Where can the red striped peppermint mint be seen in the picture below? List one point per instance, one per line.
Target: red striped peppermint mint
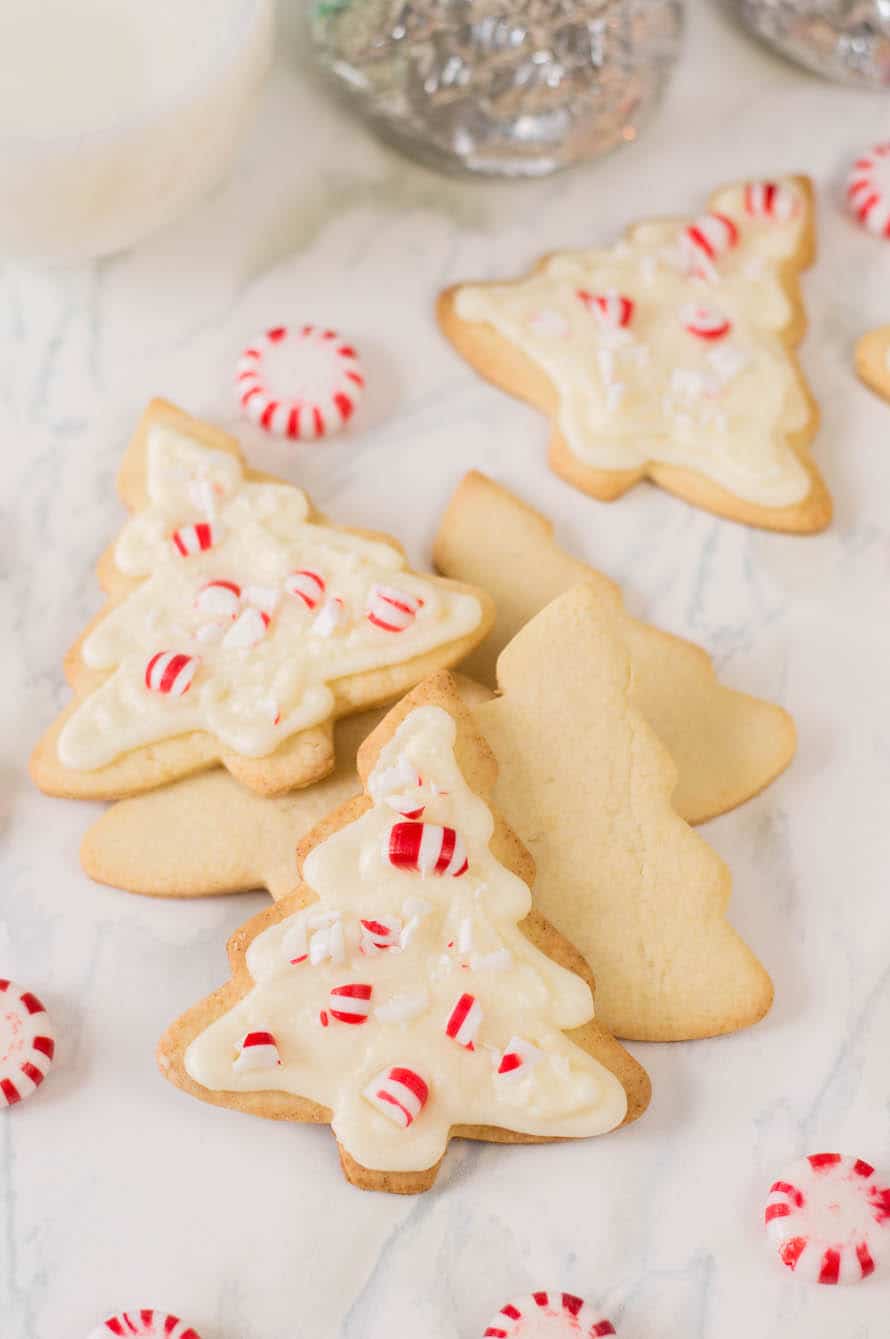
(191, 539)
(171, 672)
(350, 1003)
(868, 189)
(391, 609)
(829, 1218)
(27, 1044)
(705, 322)
(219, 599)
(146, 1322)
(770, 200)
(464, 1021)
(400, 1094)
(380, 933)
(306, 585)
(248, 629)
(548, 1314)
(427, 848)
(708, 238)
(301, 382)
(257, 1050)
(613, 310)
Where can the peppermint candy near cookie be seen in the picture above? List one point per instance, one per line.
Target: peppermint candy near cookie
(828, 1217)
(548, 1315)
(145, 1323)
(27, 1043)
(302, 382)
(868, 189)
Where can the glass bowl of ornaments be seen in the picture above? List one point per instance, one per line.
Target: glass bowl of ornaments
(847, 40)
(515, 88)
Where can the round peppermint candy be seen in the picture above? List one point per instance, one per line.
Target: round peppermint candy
(300, 381)
(148, 1323)
(27, 1044)
(868, 189)
(829, 1218)
(548, 1315)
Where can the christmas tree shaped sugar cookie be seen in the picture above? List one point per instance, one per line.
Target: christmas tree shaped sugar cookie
(587, 786)
(873, 360)
(668, 356)
(238, 626)
(406, 992)
(726, 745)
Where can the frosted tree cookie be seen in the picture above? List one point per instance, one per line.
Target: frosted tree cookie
(406, 992)
(239, 625)
(668, 356)
(726, 745)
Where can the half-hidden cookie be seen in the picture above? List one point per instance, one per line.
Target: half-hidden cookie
(587, 785)
(207, 834)
(726, 745)
(668, 356)
(239, 625)
(406, 992)
(873, 360)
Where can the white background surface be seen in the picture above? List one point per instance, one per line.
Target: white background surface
(116, 1190)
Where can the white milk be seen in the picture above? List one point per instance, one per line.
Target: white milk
(82, 65)
(115, 114)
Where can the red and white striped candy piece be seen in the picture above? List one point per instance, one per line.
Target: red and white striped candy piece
(257, 1050)
(301, 382)
(546, 1315)
(829, 1218)
(380, 933)
(331, 617)
(709, 237)
(27, 1044)
(400, 1094)
(391, 609)
(171, 672)
(426, 848)
(770, 200)
(518, 1055)
(613, 310)
(306, 585)
(705, 322)
(198, 538)
(146, 1322)
(464, 1021)
(248, 630)
(350, 1003)
(219, 599)
(868, 189)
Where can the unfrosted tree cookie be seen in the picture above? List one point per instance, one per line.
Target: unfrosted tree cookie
(239, 625)
(406, 992)
(668, 356)
(588, 786)
(873, 360)
(726, 745)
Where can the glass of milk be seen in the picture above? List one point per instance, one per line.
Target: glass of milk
(115, 115)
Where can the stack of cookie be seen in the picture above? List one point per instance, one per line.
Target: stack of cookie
(459, 863)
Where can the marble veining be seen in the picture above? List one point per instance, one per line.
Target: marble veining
(116, 1190)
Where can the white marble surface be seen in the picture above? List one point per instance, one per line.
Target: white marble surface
(116, 1190)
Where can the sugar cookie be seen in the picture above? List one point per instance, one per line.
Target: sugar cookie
(668, 356)
(165, 687)
(396, 1087)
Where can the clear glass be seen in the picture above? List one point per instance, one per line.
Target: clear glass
(490, 86)
(848, 40)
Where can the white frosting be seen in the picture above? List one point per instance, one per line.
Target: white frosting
(734, 427)
(523, 994)
(254, 686)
